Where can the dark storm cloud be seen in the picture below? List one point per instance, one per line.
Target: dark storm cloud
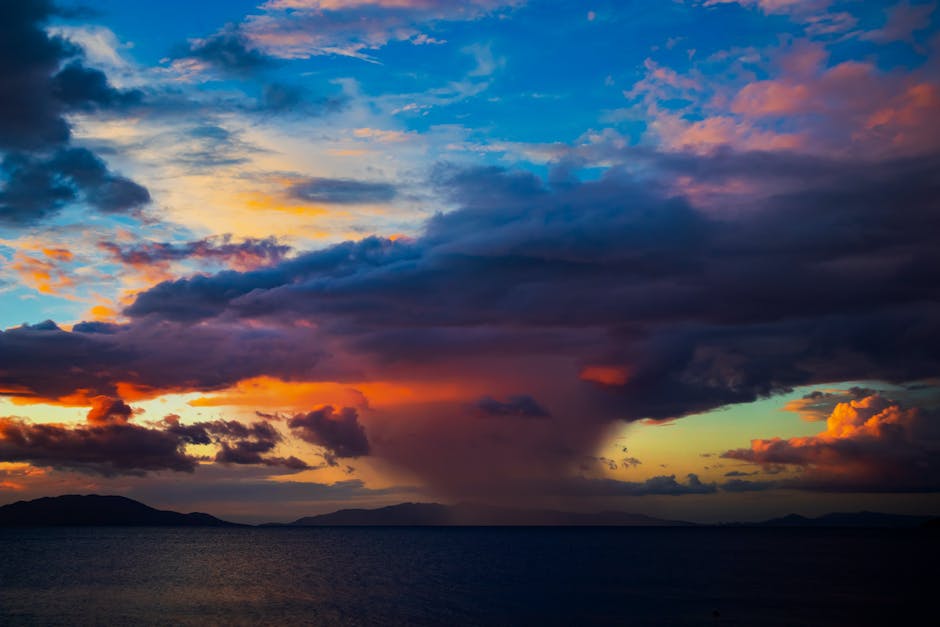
(339, 432)
(343, 191)
(520, 406)
(39, 174)
(229, 52)
(704, 311)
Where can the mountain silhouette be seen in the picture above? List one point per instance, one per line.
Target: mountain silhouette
(849, 519)
(94, 509)
(435, 514)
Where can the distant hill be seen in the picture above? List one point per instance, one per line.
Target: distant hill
(92, 510)
(849, 519)
(435, 514)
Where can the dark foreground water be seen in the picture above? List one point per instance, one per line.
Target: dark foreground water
(467, 576)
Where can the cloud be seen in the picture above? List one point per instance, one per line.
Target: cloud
(239, 443)
(340, 433)
(791, 97)
(105, 410)
(285, 98)
(37, 93)
(109, 444)
(343, 191)
(663, 485)
(526, 286)
(107, 449)
(523, 254)
(745, 485)
(148, 359)
(903, 20)
(229, 52)
(520, 406)
(81, 88)
(39, 174)
(738, 473)
(247, 254)
(39, 187)
(301, 28)
(870, 445)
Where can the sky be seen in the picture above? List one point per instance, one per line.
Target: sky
(268, 259)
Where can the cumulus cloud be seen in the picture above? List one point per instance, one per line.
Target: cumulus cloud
(339, 432)
(870, 445)
(105, 410)
(109, 449)
(109, 444)
(238, 443)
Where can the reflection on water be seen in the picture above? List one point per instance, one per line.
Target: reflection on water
(457, 576)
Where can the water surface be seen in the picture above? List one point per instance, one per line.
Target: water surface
(465, 576)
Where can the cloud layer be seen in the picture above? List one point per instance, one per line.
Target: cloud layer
(870, 444)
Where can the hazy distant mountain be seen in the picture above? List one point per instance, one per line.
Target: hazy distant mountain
(92, 509)
(435, 514)
(849, 519)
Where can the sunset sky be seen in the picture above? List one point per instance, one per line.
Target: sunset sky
(272, 259)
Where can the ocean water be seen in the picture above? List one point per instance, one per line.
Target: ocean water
(467, 576)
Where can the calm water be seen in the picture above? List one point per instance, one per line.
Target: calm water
(466, 576)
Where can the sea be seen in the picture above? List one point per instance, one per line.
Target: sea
(469, 576)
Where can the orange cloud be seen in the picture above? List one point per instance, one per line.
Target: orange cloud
(20, 395)
(605, 375)
(869, 444)
(59, 254)
(26, 396)
(272, 393)
(44, 275)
